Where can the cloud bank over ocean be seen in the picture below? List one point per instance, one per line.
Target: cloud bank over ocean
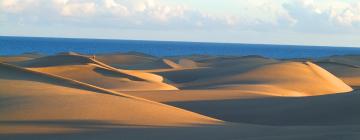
(315, 19)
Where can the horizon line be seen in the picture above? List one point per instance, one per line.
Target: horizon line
(177, 41)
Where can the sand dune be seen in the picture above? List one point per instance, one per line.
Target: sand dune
(73, 96)
(133, 61)
(94, 72)
(141, 75)
(350, 75)
(55, 60)
(312, 111)
(248, 107)
(345, 67)
(139, 61)
(48, 111)
(344, 59)
(27, 97)
(187, 63)
(197, 95)
(182, 63)
(9, 59)
(251, 73)
(125, 59)
(245, 61)
(172, 64)
(210, 67)
(17, 58)
(304, 79)
(242, 132)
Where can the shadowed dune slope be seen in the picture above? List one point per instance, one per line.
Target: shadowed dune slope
(353, 60)
(347, 68)
(249, 107)
(197, 95)
(9, 59)
(132, 61)
(336, 109)
(125, 58)
(349, 74)
(187, 63)
(94, 72)
(244, 61)
(27, 97)
(18, 58)
(55, 60)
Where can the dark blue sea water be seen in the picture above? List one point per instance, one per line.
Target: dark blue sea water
(19, 45)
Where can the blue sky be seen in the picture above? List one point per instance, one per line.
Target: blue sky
(302, 22)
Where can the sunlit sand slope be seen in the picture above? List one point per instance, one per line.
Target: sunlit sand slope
(31, 100)
(94, 72)
(346, 68)
(281, 78)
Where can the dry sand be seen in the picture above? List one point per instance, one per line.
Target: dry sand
(280, 78)
(18, 58)
(27, 97)
(94, 72)
(138, 96)
(346, 68)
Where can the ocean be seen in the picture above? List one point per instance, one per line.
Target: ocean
(20, 45)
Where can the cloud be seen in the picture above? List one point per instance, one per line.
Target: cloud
(116, 8)
(154, 9)
(349, 15)
(16, 6)
(307, 15)
(261, 15)
(75, 8)
(334, 16)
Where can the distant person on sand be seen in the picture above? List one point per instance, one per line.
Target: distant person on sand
(93, 57)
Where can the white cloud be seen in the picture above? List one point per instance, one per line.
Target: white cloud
(348, 15)
(116, 8)
(75, 8)
(332, 16)
(262, 15)
(16, 6)
(308, 16)
(154, 9)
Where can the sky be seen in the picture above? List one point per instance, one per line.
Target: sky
(297, 22)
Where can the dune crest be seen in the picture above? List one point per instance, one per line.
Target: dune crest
(187, 63)
(327, 76)
(92, 71)
(184, 63)
(345, 67)
(46, 100)
(308, 79)
(171, 63)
